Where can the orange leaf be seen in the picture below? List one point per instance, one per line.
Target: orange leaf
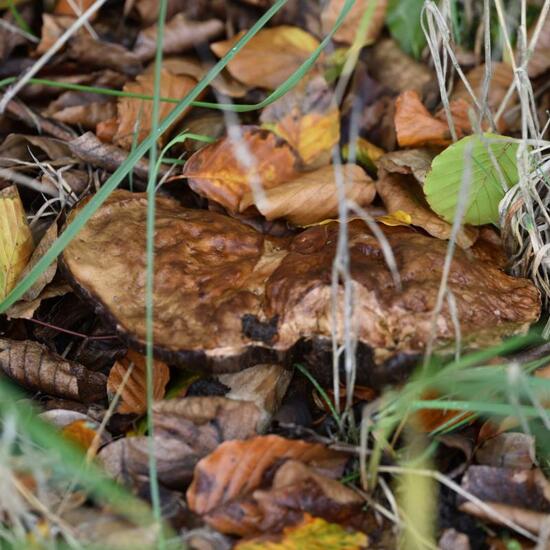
(133, 113)
(428, 420)
(221, 173)
(133, 397)
(64, 7)
(270, 57)
(81, 432)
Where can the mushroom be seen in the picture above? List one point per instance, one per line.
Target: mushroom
(227, 297)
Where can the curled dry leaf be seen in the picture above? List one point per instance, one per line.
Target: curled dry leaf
(270, 57)
(16, 244)
(26, 310)
(36, 368)
(264, 385)
(180, 34)
(348, 31)
(522, 496)
(312, 197)
(417, 162)
(401, 193)
(87, 114)
(53, 26)
(416, 127)
(393, 68)
(307, 118)
(185, 431)
(226, 170)
(261, 296)
(133, 395)
(313, 534)
(237, 468)
(137, 113)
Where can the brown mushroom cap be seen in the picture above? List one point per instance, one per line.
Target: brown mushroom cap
(227, 297)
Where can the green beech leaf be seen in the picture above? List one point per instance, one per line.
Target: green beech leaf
(403, 21)
(443, 182)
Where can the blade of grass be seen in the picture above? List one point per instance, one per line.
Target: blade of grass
(112, 183)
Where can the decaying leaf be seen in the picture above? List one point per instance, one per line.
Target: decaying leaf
(134, 114)
(263, 385)
(508, 450)
(133, 396)
(16, 244)
(81, 432)
(36, 368)
(224, 479)
(180, 34)
(65, 7)
(25, 310)
(539, 62)
(260, 296)
(226, 170)
(270, 57)
(307, 118)
(350, 27)
(416, 127)
(403, 194)
(53, 26)
(417, 162)
(186, 430)
(312, 197)
(313, 534)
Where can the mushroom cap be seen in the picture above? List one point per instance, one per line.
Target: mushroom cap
(227, 297)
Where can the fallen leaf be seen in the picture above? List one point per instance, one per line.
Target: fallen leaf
(417, 162)
(133, 396)
(236, 469)
(366, 153)
(36, 368)
(508, 450)
(262, 296)
(263, 385)
(269, 57)
(26, 310)
(416, 127)
(65, 7)
(393, 68)
(88, 114)
(313, 196)
(53, 26)
(186, 429)
(16, 244)
(402, 194)
(81, 432)
(134, 113)
(226, 170)
(349, 29)
(539, 61)
(428, 420)
(308, 119)
(444, 182)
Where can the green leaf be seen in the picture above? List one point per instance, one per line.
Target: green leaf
(444, 181)
(403, 21)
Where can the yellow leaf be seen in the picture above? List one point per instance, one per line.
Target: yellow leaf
(311, 534)
(16, 243)
(366, 153)
(399, 217)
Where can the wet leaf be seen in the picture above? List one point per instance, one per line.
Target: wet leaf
(270, 57)
(36, 368)
(16, 244)
(133, 396)
(443, 183)
(349, 29)
(307, 118)
(313, 196)
(403, 194)
(137, 113)
(313, 534)
(226, 170)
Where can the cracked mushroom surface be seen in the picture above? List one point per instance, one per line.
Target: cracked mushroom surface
(227, 297)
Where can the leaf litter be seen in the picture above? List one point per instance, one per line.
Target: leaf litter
(300, 322)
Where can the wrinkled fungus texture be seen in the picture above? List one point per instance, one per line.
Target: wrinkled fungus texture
(212, 273)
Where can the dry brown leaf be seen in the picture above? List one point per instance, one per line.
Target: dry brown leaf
(236, 469)
(428, 420)
(263, 385)
(180, 34)
(53, 26)
(269, 57)
(148, 9)
(137, 112)
(349, 29)
(307, 118)
(16, 244)
(64, 7)
(393, 68)
(26, 310)
(402, 193)
(218, 172)
(36, 368)
(133, 396)
(312, 197)
(262, 296)
(539, 62)
(416, 127)
(417, 162)
(508, 450)
(186, 430)
(87, 114)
